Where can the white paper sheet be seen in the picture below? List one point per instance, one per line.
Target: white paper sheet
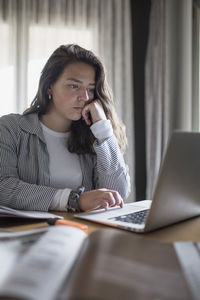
(10, 212)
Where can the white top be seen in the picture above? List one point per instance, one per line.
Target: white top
(64, 167)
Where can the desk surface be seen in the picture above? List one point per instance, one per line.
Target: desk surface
(185, 231)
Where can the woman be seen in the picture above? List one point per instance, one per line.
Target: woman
(64, 152)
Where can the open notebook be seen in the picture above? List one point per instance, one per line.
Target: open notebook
(176, 195)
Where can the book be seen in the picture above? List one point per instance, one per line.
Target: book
(108, 264)
(10, 212)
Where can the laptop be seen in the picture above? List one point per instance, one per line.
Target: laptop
(176, 195)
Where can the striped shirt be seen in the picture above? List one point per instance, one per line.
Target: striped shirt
(24, 165)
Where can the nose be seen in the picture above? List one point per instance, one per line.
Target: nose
(84, 94)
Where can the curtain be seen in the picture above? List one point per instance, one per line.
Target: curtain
(169, 99)
(31, 29)
(195, 64)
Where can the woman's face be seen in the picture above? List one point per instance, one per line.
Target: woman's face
(71, 91)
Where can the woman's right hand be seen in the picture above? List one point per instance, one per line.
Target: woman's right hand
(101, 198)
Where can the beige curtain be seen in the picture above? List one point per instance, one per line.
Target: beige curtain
(34, 28)
(169, 100)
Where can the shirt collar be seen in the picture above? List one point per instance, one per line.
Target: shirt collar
(31, 124)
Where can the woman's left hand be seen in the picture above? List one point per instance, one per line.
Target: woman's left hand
(100, 198)
(93, 112)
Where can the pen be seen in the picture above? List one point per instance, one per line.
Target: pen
(68, 223)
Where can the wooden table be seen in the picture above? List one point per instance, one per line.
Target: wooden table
(185, 231)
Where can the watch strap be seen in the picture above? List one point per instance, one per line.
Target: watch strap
(73, 205)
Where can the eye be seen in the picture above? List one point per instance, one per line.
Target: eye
(73, 86)
(91, 90)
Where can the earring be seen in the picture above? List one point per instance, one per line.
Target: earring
(49, 96)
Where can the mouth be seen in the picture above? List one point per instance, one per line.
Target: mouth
(78, 108)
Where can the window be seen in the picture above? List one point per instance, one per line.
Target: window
(42, 41)
(39, 51)
(6, 73)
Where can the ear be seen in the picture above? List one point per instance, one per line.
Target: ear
(49, 93)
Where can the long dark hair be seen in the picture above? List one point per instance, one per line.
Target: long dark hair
(81, 138)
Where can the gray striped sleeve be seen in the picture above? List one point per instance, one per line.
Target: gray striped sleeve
(111, 171)
(15, 192)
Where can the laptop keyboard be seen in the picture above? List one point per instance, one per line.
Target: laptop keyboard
(138, 217)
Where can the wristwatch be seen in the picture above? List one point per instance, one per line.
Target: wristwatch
(72, 205)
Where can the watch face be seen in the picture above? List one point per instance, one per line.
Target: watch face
(73, 202)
